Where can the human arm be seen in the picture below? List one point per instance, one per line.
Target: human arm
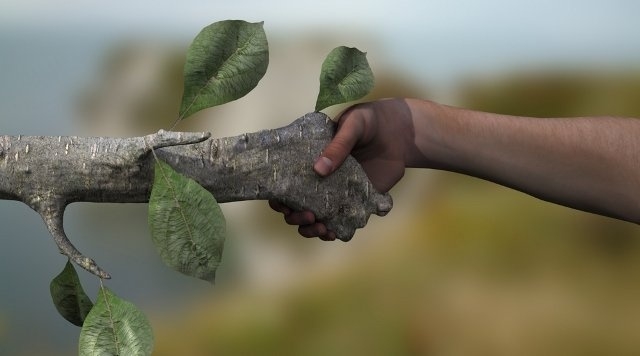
(588, 163)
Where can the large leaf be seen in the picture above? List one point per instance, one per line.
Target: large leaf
(115, 327)
(68, 296)
(226, 61)
(186, 222)
(345, 76)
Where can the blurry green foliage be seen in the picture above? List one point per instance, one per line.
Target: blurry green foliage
(557, 94)
(138, 89)
(474, 269)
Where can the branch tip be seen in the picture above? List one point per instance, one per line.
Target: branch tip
(53, 219)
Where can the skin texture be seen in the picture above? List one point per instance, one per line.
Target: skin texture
(587, 163)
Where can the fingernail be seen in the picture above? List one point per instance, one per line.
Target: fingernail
(323, 166)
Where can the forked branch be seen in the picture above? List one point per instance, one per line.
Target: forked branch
(48, 173)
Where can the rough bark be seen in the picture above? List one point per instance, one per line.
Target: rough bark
(47, 173)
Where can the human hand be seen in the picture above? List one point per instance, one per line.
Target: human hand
(379, 135)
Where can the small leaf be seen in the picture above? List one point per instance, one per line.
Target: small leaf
(68, 296)
(186, 222)
(225, 61)
(345, 76)
(115, 327)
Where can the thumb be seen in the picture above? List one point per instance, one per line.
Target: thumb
(339, 148)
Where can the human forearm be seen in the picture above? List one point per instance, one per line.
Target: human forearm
(591, 164)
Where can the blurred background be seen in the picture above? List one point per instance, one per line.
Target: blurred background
(459, 267)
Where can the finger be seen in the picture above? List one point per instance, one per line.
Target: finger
(279, 207)
(300, 218)
(330, 236)
(338, 149)
(313, 230)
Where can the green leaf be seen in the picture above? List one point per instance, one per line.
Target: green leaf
(115, 327)
(186, 222)
(225, 61)
(345, 76)
(68, 296)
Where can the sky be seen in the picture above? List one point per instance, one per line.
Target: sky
(439, 41)
(462, 14)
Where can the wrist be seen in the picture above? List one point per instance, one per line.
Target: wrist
(431, 142)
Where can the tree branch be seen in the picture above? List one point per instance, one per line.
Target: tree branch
(48, 173)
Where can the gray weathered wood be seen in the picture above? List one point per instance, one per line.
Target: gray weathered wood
(50, 172)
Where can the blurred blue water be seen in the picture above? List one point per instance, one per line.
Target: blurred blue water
(40, 76)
